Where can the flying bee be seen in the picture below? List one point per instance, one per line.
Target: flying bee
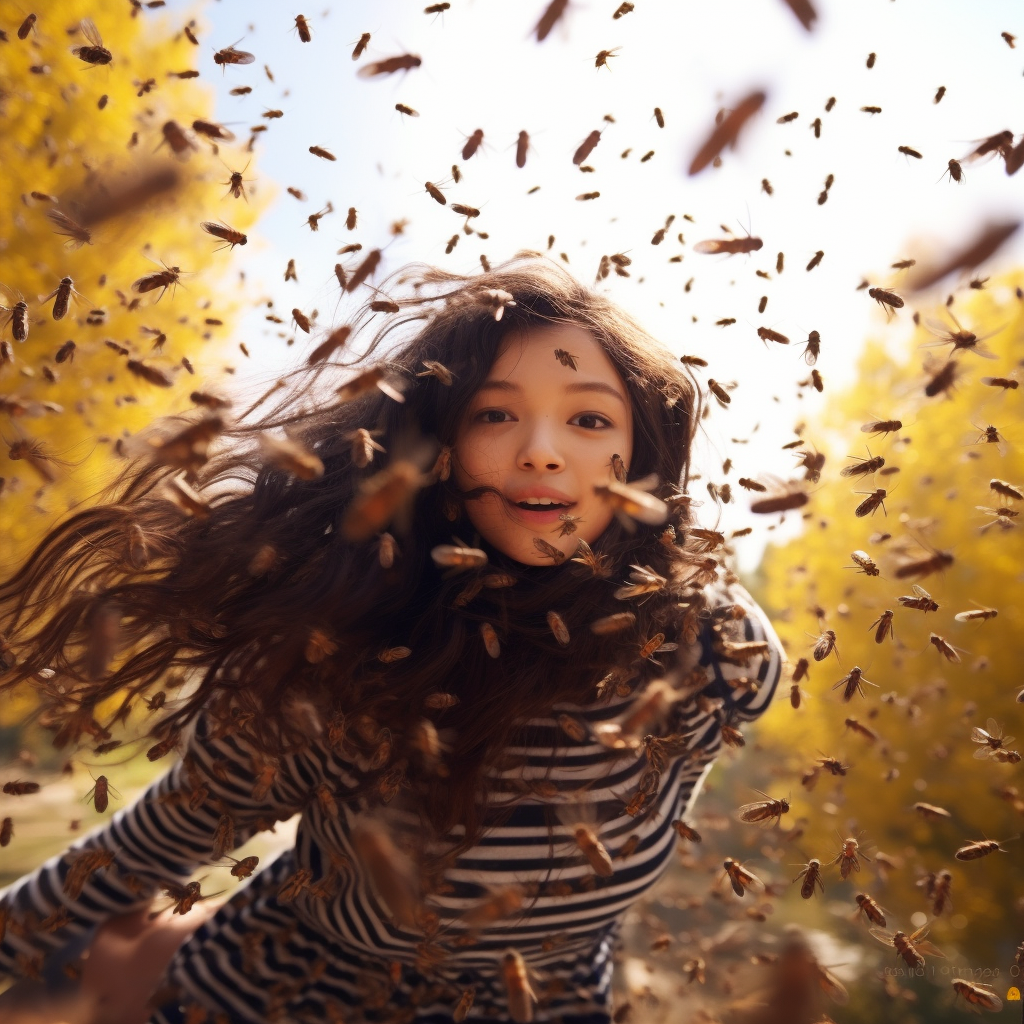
(6, 833)
(832, 765)
(910, 948)
(655, 645)
(302, 27)
(361, 43)
(1006, 383)
(99, 794)
(569, 524)
(882, 427)
(95, 53)
(979, 614)
(224, 232)
(853, 683)
(961, 339)
(28, 25)
(1007, 490)
(229, 55)
(946, 649)
(324, 154)
(741, 879)
(824, 645)
(599, 564)
(977, 997)
(991, 738)
(788, 499)
(863, 467)
(882, 626)
(866, 564)
(769, 809)
(849, 856)
(61, 296)
(464, 1005)
(766, 334)
(888, 300)
(931, 812)
(812, 348)
(729, 246)
(19, 788)
(908, 151)
(858, 727)
(603, 56)
(245, 867)
(720, 391)
(687, 832)
(169, 277)
(184, 897)
(869, 506)
(811, 875)
(871, 910)
(520, 994)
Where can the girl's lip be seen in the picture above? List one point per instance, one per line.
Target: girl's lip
(542, 515)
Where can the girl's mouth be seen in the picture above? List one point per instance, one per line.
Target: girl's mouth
(540, 513)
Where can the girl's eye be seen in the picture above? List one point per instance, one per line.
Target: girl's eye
(591, 421)
(492, 416)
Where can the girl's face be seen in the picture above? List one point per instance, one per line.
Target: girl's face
(539, 429)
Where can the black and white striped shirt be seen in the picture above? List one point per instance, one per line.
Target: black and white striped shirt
(332, 951)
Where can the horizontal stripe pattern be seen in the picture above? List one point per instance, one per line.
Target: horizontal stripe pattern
(333, 950)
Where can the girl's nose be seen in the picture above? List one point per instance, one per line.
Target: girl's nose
(539, 451)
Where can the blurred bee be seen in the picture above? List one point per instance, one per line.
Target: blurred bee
(977, 997)
(854, 726)
(976, 615)
(472, 143)
(832, 765)
(871, 910)
(947, 650)
(224, 232)
(520, 994)
(602, 58)
(324, 154)
(730, 246)
(910, 948)
(245, 867)
(1007, 490)
(302, 27)
(907, 151)
(811, 875)
(687, 832)
(866, 564)
(783, 502)
(19, 788)
(1006, 383)
(95, 53)
(184, 897)
(727, 131)
(849, 856)
(6, 833)
(631, 502)
(882, 626)
(623, 9)
(741, 879)
(460, 557)
(769, 809)
(870, 505)
(360, 45)
(229, 55)
(888, 300)
(786, 118)
(766, 334)
(463, 1006)
(490, 639)
(871, 110)
(935, 562)
(380, 499)
(402, 108)
(815, 260)
(76, 235)
(931, 812)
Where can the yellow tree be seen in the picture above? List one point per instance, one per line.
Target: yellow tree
(929, 541)
(110, 167)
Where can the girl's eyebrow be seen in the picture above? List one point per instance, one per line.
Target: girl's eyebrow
(572, 389)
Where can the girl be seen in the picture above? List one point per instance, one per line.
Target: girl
(458, 619)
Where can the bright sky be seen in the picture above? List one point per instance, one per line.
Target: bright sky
(482, 68)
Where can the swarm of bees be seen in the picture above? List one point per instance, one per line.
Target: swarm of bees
(391, 484)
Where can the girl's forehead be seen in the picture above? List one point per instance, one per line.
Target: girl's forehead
(558, 353)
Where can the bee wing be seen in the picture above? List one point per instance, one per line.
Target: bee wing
(242, 57)
(882, 935)
(983, 753)
(90, 32)
(753, 812)
(711, 245)
(928, 949)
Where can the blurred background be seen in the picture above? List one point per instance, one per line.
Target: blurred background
(882, 157)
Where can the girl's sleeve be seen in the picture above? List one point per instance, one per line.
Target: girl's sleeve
(161, 838)
(737, 619)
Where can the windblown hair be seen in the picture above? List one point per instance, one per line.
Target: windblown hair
(260, 606)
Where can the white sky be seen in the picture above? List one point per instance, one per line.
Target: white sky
(482, 68)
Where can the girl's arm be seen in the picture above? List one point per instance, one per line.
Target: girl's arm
(162, 838)
(742, 703)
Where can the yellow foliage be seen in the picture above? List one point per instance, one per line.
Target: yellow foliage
(83, 134)
(923, 705)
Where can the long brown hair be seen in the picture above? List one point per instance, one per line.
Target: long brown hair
(262, 605)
